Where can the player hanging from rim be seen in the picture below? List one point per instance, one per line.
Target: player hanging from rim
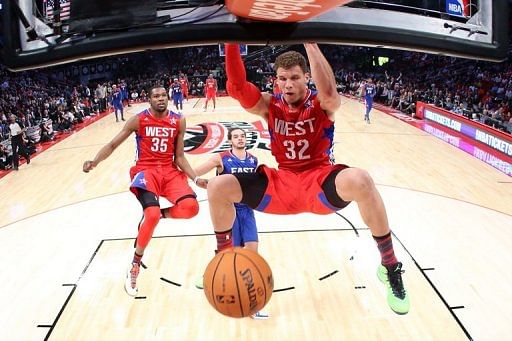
(301, 125)
(161, 169)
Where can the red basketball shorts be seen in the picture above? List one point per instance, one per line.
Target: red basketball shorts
(167, 182)
(290, 192)
(210, 95)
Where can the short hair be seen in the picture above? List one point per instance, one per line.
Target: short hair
(290, 59)
(232, 129)
(157, 86)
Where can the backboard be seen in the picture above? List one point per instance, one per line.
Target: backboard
(35, 36)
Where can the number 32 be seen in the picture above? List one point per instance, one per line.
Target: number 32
(292, 146)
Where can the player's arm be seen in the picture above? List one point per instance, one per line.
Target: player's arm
(246, 93)
(214, 161)
(325, 82)
(131, 126)
(180, 159)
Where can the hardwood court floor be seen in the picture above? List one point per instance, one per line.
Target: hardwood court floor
(451, 215)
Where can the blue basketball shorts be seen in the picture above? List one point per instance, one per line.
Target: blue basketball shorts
(244, 227)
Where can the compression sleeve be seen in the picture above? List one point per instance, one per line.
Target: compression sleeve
(237, 85)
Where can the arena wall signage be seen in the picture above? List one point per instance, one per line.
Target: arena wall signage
(282, 10)
(493, 138)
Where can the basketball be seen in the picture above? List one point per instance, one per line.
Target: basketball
(238, 282)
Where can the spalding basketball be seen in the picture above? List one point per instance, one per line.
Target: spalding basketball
(238, 282)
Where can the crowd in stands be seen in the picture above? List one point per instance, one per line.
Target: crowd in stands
(481, 91)
(46, 105)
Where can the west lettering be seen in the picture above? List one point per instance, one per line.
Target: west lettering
(160, 131)
(298, 128)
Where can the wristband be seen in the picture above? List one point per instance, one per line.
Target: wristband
(195, 180)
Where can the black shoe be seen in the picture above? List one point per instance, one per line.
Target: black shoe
(15, 168)
(123, 119)
(28, 160)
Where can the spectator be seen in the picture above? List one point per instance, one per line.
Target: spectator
(5, 158)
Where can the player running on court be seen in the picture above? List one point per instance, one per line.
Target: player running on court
(368, 91)
(210, 90)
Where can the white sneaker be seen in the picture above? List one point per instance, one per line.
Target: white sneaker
(260, 315)
(130, 283)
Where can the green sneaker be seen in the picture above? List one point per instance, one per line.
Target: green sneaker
(199, 282)
(398, 300)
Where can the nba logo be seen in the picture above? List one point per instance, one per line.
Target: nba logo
(458, 7)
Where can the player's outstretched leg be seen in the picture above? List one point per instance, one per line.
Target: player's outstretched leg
(151, 217)
(353, 184)
(223, 192)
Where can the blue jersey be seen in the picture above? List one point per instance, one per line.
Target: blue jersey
(231, 165)
(176, 89)
(369, 91)
(117, 100)
(244, 227)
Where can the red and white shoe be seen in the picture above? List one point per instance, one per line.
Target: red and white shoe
(130, 283)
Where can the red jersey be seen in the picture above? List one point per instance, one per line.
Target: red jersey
(156, 139)
(184, 84)
(301, 138)
(211, 85)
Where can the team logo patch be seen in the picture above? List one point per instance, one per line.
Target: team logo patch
(458, 7)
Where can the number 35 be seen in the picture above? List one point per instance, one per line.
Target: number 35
(159, 145)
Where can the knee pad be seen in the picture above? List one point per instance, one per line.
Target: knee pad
(147, 198)
(329, 188)
(184, 209)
